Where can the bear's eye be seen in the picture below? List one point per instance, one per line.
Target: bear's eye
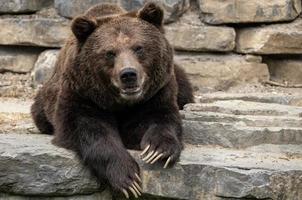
(138, 50)
(110, 55)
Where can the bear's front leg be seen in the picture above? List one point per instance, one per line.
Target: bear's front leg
(93, 135)
(163, 138)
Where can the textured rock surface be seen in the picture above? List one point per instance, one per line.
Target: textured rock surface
(239, 107)
(238, 135)
(33, 30)
(173, 8)
(18, 59)
(15, 117)
(271, 39)
(96, 196)
(16, 85)
(243, 120)
(203, 172)
(287, 71)
(44, 66)
(54, 170)
(222, 71)
(192, 35)
(239, 11)
(279, 98)
(73, 8)
(24, 6)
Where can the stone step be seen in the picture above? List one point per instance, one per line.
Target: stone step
(244, 120)
(279, 98)
(204, 172)
(237, 136)
(239, 107)
(200, 127)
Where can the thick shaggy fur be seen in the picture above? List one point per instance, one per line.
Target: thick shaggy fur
(84, 110)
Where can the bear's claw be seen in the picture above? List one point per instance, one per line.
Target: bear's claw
(167, 162)
(135, 189)
(125, 193)
(145, 150)
(154, 156)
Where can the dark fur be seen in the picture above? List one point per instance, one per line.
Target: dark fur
(86, 113)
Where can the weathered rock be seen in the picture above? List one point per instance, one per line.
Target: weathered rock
(16, 59)
(271, 39)
(24, 6)
(266, 171)
(54, 170)
(34, 30)
(279, 98)
(222, 71)
(96, 196)
(232, 125)
(16, 85)
(190, 34)
(243, 120)
(239, 107)
(15, 117)
(73, 8)
(44, 66)
(287, 71)
(173, 8)
(253, 11)
(237, 135)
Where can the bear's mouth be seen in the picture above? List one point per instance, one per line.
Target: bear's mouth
(131, 91)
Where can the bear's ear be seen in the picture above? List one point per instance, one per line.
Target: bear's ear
(152, 13)
(82, 27)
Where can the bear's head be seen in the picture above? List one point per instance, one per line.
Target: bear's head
(124, 53)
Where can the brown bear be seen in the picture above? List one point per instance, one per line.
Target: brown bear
(115, 87)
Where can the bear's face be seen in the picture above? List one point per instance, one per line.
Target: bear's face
(128, 54)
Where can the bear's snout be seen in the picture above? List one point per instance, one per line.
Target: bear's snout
(130, 86)
(128, 77)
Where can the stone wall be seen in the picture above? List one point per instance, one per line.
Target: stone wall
(219, 43)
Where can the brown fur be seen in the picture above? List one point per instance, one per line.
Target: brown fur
(82, 104)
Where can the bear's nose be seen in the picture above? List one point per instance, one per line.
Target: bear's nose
(128, 76)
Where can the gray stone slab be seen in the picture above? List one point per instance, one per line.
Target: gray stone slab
(279, 98)
(237, 135)
(44, 66)
(24, 6)
(173, 9)
(283, 38)
(239, 107)
(34, 30)
(18, 59)
(202, 173)
(190, 34)
(252, 11)
(244, 120)
(221, 71)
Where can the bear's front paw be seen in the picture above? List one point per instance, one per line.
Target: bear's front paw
(160, 146)
(123, 176)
